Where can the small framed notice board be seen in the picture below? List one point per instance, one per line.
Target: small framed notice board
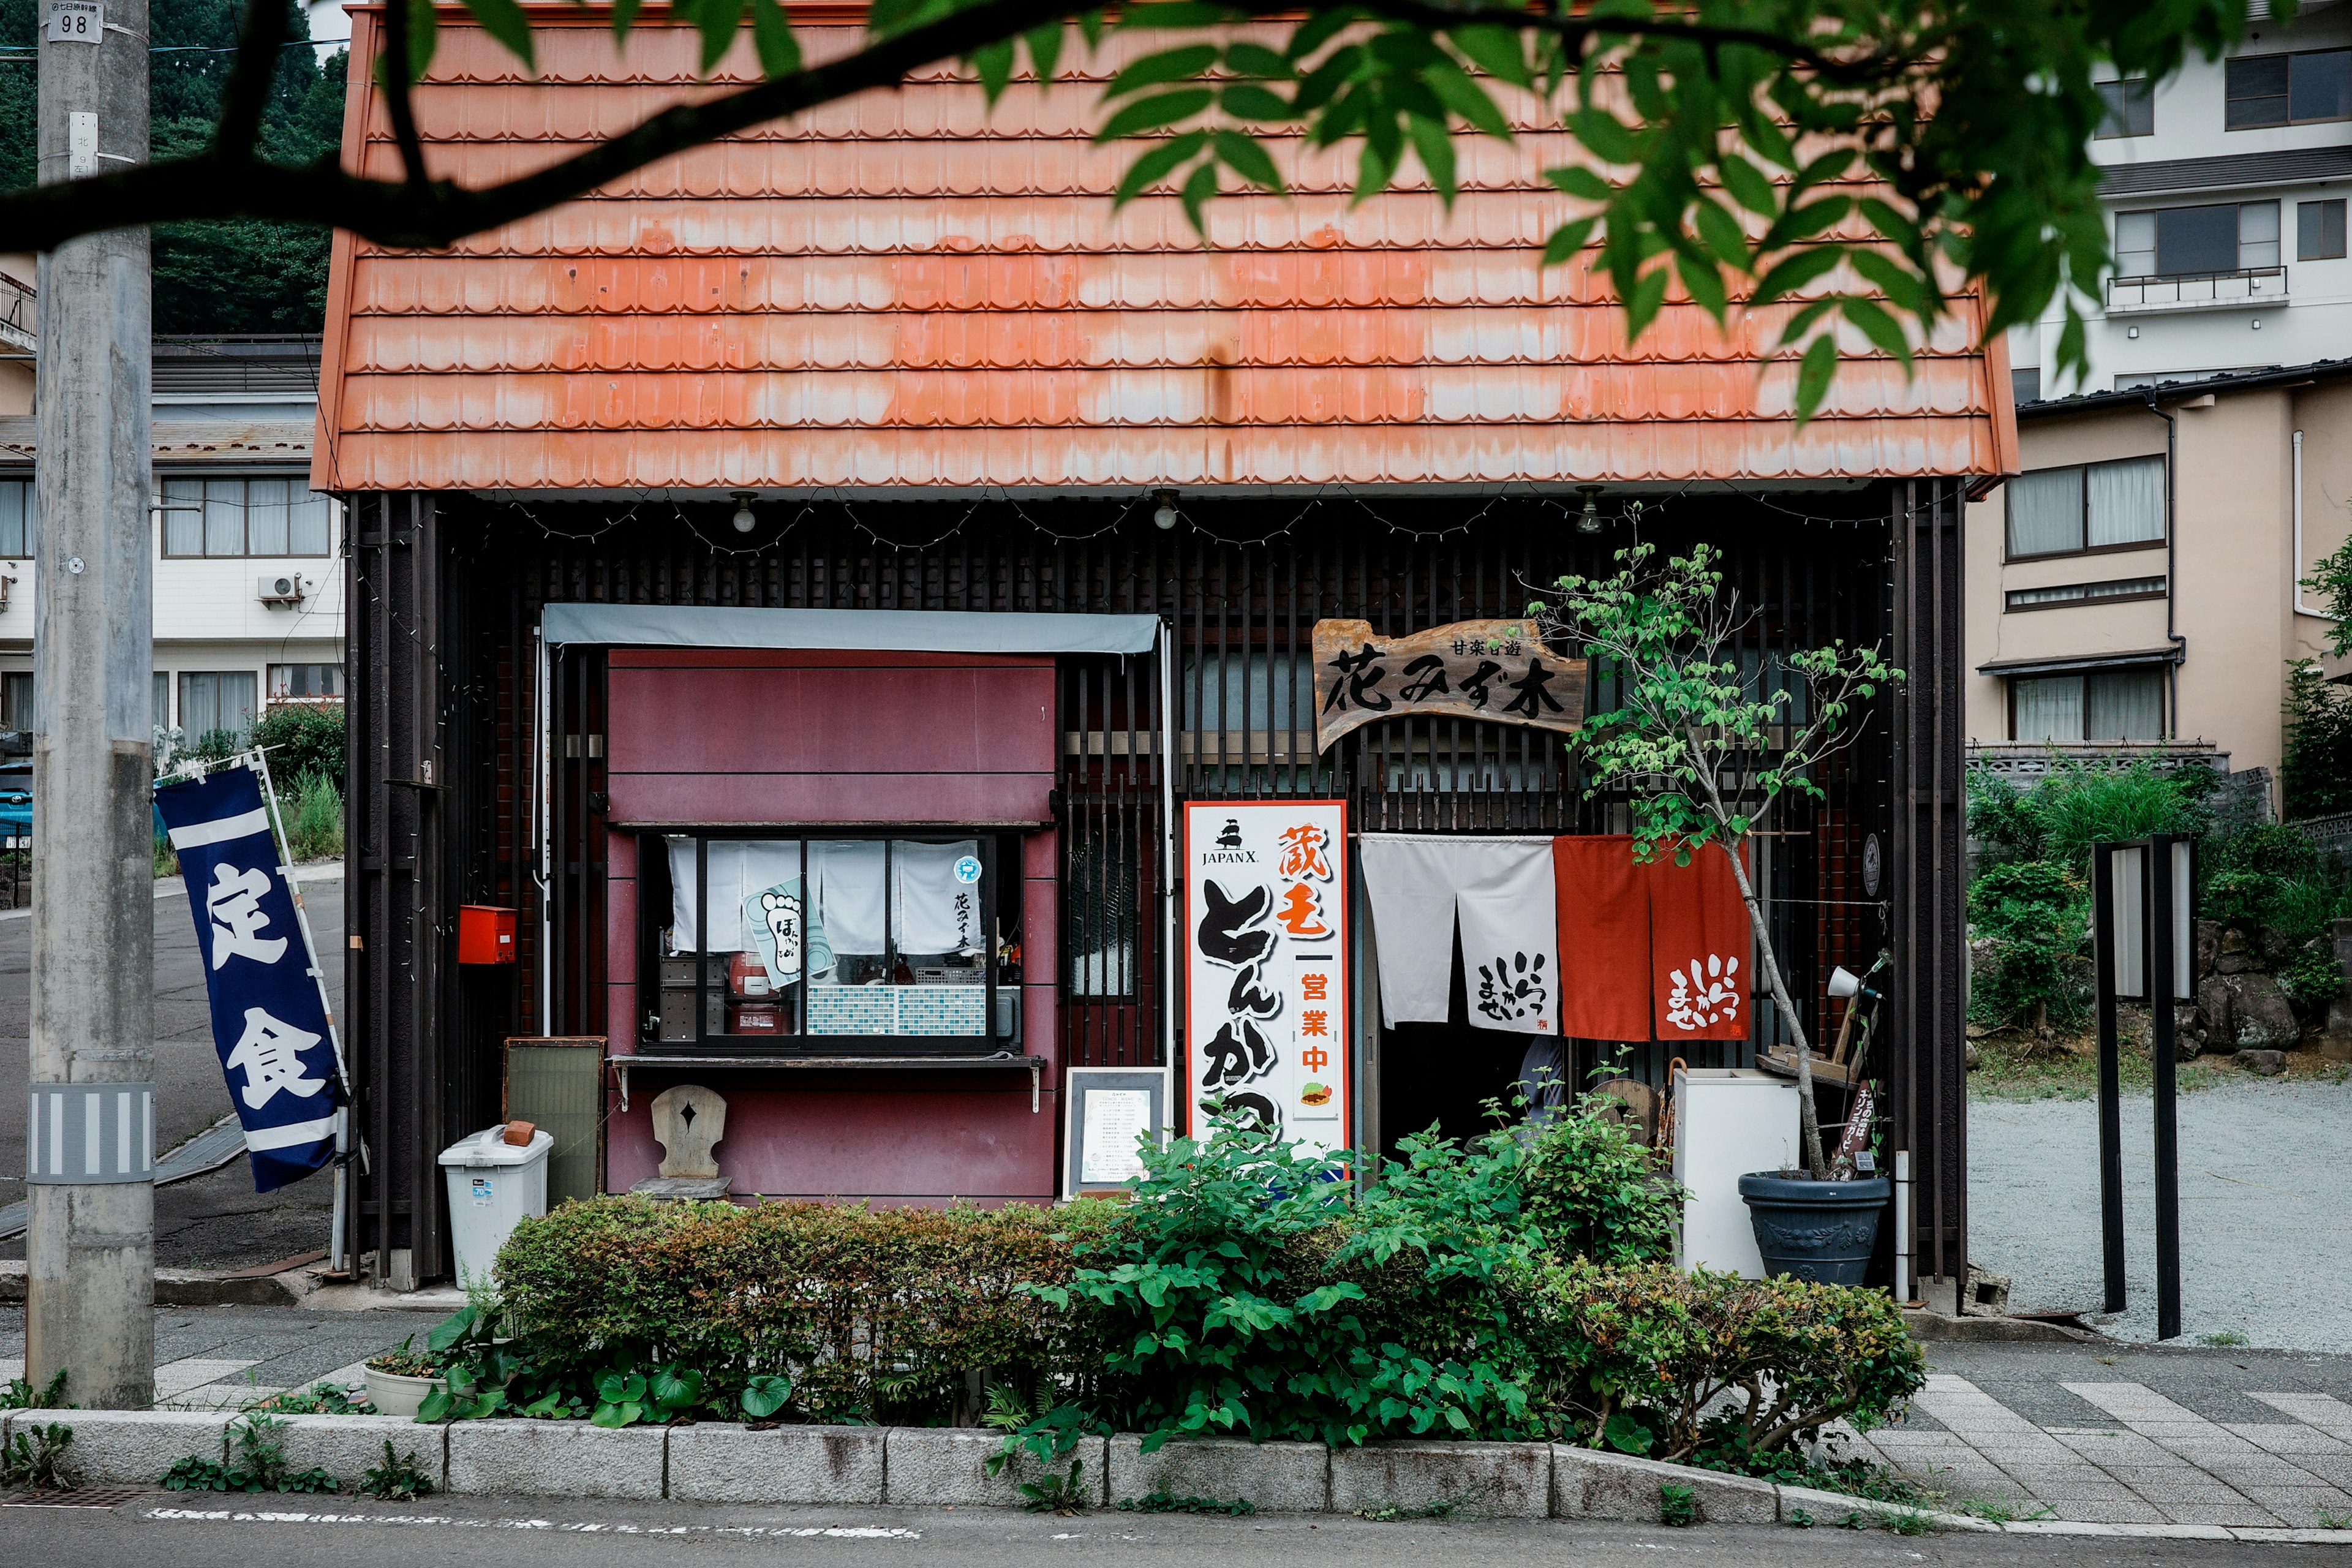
(1108, 1108)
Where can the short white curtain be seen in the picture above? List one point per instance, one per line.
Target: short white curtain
(2126, 705)
(2126, 502)
(2045, 512)
(2049, 708)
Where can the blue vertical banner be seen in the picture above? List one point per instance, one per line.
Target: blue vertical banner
(269, 1020)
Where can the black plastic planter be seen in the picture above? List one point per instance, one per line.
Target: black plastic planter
(1819, 1231)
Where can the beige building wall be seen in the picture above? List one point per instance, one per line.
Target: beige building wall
(2232, 563)
(18, 272)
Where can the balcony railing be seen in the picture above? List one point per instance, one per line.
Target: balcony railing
(18, 326)
(2198, 291)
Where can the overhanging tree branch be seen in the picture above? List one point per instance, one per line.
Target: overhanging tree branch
(229, 182)
(251, 77)
(395, 76)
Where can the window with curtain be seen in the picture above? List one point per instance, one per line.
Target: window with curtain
(245, 518)
(2125, 502)
(2318, 230)
(17, 700)
(305, 683)
(784, 940)
(20, 518)
(2099, 506)
(216, 699)
(2045, 512)
(2099, 705)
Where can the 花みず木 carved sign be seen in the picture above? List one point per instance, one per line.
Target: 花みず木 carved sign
(1499, 670)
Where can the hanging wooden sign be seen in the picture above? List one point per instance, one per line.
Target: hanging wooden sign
(1498, 671)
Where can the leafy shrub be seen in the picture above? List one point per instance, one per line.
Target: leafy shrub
(304, 738)
(314, 819)
(2315, 769)
(259, 1465)
(2270, 875)
(1639, 1358)
(2077, 805)
(1595, 1191)
(398, 1480)
(2034, 914)
(1246, 1287)
(2311, 978)
(36, 1456)
(1242, 1295)
(860, 1315)
(212, 746)
(20, 1395)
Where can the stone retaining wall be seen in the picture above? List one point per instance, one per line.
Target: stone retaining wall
(935, 1468)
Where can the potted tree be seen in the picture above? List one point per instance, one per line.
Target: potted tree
(1707, 748)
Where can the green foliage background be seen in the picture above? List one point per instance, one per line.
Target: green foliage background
(238, 277)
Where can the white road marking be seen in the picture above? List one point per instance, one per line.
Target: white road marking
(591, 1526)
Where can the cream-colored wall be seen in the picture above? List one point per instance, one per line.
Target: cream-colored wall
(2233, 564)
(2323, 414)
(15, 374)
(2232, 507)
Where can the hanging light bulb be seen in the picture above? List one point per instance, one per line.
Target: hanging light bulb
(1590, 522)
(744, 520)
(1164, 517)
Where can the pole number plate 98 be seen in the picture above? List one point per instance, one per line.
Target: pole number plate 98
(76, 21)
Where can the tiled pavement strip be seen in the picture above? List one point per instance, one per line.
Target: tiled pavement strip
(2159, 1463)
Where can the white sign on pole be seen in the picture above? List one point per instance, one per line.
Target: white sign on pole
(76, 21)
(1267, 966)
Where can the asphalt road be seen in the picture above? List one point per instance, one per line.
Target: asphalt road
(359, 1534)
(216, 1221)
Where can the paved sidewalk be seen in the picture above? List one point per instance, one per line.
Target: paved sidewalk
(216, 1358)
(2136, 1439)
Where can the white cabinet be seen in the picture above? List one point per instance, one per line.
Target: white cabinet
(1728, 1123)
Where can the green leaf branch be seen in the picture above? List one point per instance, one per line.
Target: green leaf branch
(1708, 743)
(1848, 164)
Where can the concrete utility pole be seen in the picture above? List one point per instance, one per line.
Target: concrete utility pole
(90, 1249)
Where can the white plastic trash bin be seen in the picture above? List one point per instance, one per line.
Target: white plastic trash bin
(493, 1185)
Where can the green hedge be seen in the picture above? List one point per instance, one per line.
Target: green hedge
(1508, 1287)
(869, 1315)
(1639, 1359)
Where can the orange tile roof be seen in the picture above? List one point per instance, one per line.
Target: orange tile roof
(906, 291)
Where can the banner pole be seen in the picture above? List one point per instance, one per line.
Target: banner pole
(336, 1257)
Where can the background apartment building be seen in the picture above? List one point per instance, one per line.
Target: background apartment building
(248, 572)
(2135, 588)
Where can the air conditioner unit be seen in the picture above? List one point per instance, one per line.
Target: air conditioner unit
(278, 588)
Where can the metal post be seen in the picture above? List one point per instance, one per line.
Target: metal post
(2110, 1117)
(2159, 918)
(90, 1245)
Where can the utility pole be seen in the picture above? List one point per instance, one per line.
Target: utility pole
(91, 1246)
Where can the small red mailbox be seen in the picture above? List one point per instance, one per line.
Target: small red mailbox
(484, 934)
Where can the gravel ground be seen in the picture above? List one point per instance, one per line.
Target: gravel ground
(2266, 1210)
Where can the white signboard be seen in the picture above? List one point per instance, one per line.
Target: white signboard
(76, 21)
(1267, 977)
(1115, 1119)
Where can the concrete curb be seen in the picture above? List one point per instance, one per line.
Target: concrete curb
(909, 1467)
(187, 1287)
(1935, 1327)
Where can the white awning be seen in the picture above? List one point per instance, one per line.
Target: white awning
(902, 631)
